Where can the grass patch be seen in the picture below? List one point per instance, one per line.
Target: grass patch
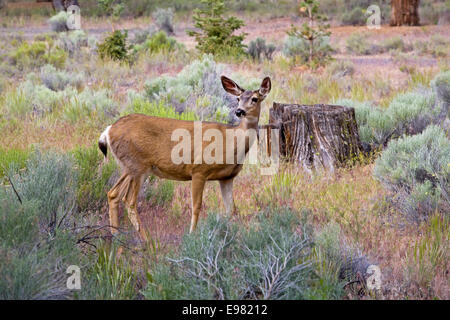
(93, 177)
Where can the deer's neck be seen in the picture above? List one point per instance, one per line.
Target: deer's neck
(249, 123)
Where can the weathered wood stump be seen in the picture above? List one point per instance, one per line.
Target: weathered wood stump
(316, 136)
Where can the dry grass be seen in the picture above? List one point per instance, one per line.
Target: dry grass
(351, 198)
(413, 260)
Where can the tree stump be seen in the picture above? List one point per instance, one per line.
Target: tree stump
(316, 136)
(404, 12)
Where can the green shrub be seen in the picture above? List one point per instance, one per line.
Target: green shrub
(298, 49)
(164, 20)
(216, 35)
(412, 112)
(35, 99)
(441, 87)
(189, 274)
(35, 272)
(357, 43)
(37, 54)
(294, 47)
(115, 46)
(58, 22)
(73, 41)
(416, 170)
(375, 126)
(141, 35)
(90, 104)
(276, 263)
(355, 17)
(339, 69)
(58, 80)
(408, 113)
(157, 109)
(196, 88)
(93, 177)
(437, 46)
(56, 57)
(37, 237)
(159, 42)
(224, 260)
(14, 104)
(258, 49)
(395, 43)
(49, 181)
(111, 8)
(18, 157)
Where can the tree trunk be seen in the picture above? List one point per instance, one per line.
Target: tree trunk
(404, 12)
(58, 5)
(318, 136)
(61, 5)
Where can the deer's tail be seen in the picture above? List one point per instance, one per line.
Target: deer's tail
(103, 141)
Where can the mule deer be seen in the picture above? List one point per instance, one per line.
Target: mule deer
(143, 145)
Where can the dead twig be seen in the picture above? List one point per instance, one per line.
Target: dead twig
(14, 189)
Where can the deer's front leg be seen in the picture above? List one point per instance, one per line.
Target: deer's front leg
(226, 187)
(198, 183)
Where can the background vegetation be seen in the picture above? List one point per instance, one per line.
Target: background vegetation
(59, 89)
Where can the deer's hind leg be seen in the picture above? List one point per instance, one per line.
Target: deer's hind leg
(126, 189)
(113, 202)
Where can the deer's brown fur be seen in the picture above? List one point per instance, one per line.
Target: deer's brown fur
(142, 145)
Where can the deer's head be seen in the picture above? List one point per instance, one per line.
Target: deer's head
(249, 102)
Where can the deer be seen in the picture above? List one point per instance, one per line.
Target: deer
(143, 145)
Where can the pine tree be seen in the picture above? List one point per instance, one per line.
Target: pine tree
(313, 32)
(216, 35)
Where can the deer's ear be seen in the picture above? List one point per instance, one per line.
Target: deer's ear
(231, 87)
(266, 85)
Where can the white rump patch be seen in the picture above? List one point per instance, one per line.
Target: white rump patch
(104, 137)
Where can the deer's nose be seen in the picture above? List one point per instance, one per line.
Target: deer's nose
(240, 113)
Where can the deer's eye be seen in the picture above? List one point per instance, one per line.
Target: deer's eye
(255, 100)
(238, 99)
